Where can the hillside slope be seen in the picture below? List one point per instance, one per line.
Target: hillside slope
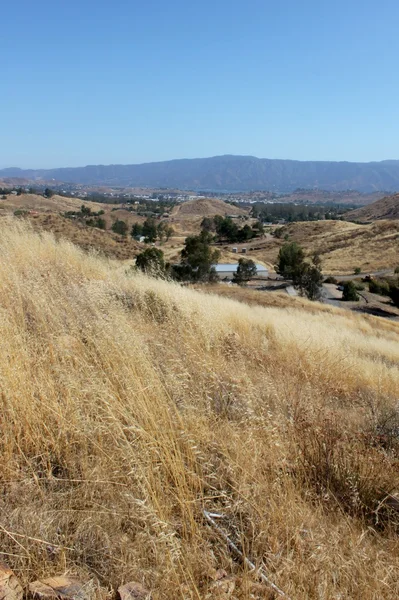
(386, 208)
(128, 405)
(230, 173)
(206, 207)
(342, 245)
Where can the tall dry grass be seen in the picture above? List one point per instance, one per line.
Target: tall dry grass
(129, 405)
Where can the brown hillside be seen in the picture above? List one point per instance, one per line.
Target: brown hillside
(342, 246)
(386, 208)
(206, 207)
(54, 204)
(107, 243)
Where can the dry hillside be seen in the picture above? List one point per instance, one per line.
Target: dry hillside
(89, 238)
(37, 202)
(341, 245)
(46, 214)
(386, 208)
(130, 405)
(206, 207)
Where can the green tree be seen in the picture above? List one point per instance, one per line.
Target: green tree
(357, 270)
(198, 258)
(48, 193)
(307, 278)
(311, 281)
(244, 234)
(169, 231)
(85, 210)
(208, 224)
(246, 270)
(100, 223)
(349, 293)
(226, 228)
(151, 261)
(164, 231)
(150, 230)
(258, 228)
(137, 230)
(119, 227)
(290, 261)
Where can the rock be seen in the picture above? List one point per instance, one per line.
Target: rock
(222, 588)
(66, 588)
(133, 591)
(10, 588)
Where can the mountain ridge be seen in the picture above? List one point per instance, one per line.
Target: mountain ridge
(228, 173)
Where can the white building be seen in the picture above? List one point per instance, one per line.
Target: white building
(226, 271)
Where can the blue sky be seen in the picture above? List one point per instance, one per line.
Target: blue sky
(88, 82)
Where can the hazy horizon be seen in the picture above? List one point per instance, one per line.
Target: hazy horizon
(34, 168)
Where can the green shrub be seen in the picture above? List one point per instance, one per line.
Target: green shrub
(331, 280)
(119, 227)
(379, 286)
(349, 293)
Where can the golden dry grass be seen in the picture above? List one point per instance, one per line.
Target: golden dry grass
(106, 242)
(54, 204)
(342, 246)
(129, 404)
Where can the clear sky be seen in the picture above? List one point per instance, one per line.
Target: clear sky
(101, 81)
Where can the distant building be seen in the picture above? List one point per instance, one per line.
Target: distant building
(226, 271)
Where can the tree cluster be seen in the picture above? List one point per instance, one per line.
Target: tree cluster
(197, 261)
(151, 231)
(227, 229)
(87, 216)
(273, 213)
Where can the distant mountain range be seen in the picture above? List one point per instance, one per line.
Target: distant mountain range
(229, 173)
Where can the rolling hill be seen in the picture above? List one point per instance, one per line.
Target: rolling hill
(230, 173)
(206, 207)
(386, 208)
(131, 405)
